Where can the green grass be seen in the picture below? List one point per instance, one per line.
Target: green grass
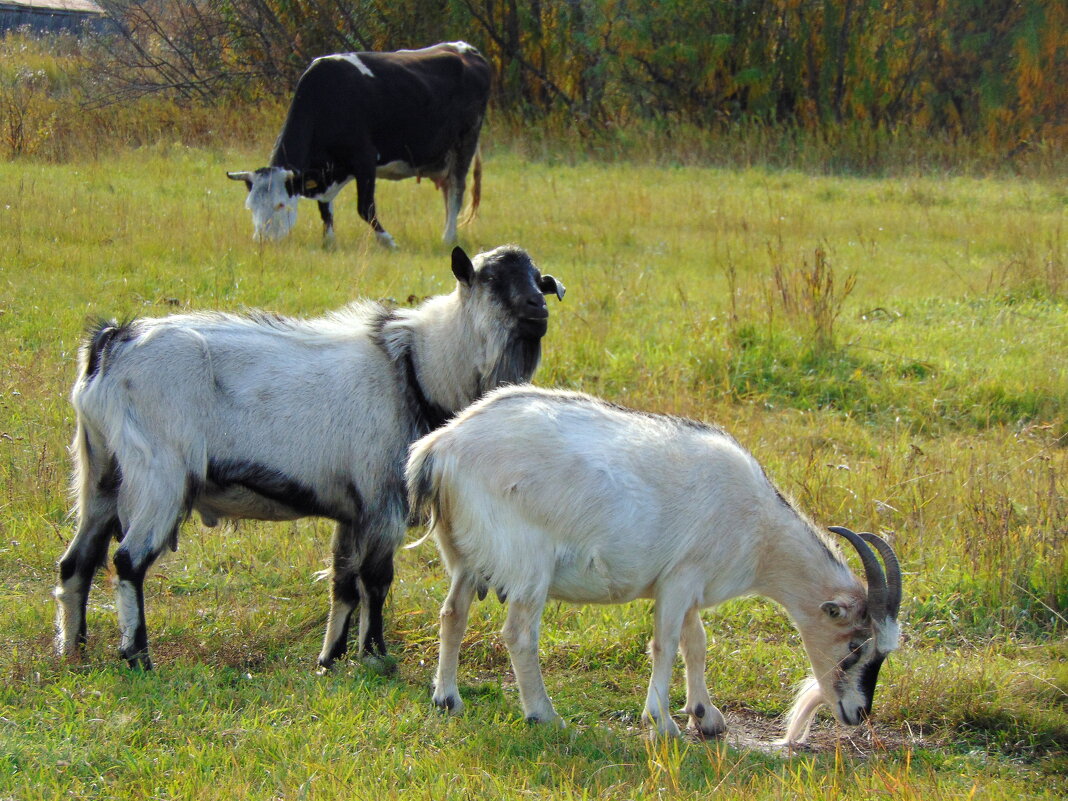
(936, 414)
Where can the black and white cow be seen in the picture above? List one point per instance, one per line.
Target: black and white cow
(409, 113)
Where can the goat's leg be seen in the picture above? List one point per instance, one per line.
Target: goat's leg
(98, 523)
(150, 513)
(703, 713)
(98, 482)
(520, 633)
(344, 595)
(453, 625)
(667, 626)
(376, 576)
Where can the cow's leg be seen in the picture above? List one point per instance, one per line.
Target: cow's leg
(453, 186)
(453, 624)
(453, 191)
(150, 513)
(667, 625)
(344, 595)
(365, 205)
(98, 523)
(703, 713)
(326, 211)
(521, 630)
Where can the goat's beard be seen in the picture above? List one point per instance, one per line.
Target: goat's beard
(799, 720)
(516, 364)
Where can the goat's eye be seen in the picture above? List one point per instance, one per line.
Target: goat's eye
(853, 656)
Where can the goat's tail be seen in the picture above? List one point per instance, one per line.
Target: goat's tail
(94, 467)
(423, 475)
(476, 188)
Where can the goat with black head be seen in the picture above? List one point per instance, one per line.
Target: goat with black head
(272, 418)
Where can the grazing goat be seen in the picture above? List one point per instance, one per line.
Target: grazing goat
(273, 418)
(548, 494)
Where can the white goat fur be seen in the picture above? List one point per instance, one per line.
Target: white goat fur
(549, 494)
(275, 419)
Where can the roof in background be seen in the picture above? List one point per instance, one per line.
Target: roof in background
(82, 6)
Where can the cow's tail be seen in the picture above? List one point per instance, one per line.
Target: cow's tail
(476, 188)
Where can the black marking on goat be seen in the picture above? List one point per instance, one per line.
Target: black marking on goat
(851, 659)
(428, 415)
(377, 322)
(868, 677)
(699, 711)
(450, 703)
(424, 414)
(356, 501)
(376, 575)
(111, 479)
(100, 337)
(269, 483)
(67, 567)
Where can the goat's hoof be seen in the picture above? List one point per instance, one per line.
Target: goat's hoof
(707, 721)
(450, 704)
(382, 664)
(662, 726)
(139, 660)
(552, 720)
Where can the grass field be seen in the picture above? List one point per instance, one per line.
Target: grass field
(927, 401)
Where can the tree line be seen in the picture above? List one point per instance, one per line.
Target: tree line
(989, 68)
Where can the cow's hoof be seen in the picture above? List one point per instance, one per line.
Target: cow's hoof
(385, 240)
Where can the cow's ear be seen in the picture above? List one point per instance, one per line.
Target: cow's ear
(241, 176)
(550, 286)
(462, 267)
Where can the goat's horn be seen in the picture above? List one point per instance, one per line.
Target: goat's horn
(877, 591)
(893, 572)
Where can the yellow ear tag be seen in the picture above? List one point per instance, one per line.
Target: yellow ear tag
(311, 184)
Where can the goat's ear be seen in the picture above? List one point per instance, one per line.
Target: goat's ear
(549, 285)
(241, 176)
(835, 610)
(462, 267)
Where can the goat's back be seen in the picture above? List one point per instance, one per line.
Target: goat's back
(609, 500)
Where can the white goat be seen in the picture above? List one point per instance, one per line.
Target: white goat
(274, 419)
(549, 494)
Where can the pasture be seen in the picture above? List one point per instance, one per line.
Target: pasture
(892, 350)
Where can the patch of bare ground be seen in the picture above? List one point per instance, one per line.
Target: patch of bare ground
(749, 731)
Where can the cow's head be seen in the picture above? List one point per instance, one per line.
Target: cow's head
(272, 199)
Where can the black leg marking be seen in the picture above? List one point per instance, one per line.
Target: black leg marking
(343, 590)
(376, 573)
(77, 569)
(327, 215)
